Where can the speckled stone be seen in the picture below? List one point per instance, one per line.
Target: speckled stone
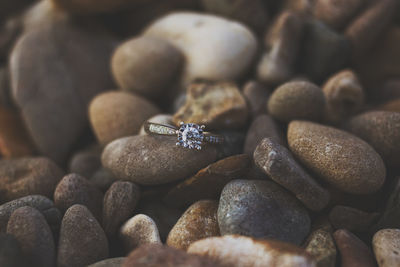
(260, 209)
(33, 233)
(137, 231)
(119, 203)
(279, 164)
(28, 176)
(380, 129)
(218, 106)
(199, 221)
(152, 160)
(241, 251)
(321, 246)
(352, 219)
(327, 150)
(82, 240)
(386, 245)
(353, 252)
(208, 182)
(10, 252)
(296, 100)
(112, 262)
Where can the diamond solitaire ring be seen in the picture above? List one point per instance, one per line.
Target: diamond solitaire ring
(190, 135)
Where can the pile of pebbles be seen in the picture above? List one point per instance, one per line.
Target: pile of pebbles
(306, 94)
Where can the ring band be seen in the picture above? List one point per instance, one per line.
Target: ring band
(189, 135)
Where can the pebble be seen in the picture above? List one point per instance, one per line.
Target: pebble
(260, 209)
(282, 43)
(217, 106)
(119, 203)
(65, 79)
(380, 129)
(232, 45)
(208, 182)
(82, 240)
(10, 252)
(391, 213)
(325, 151)
(76, 189)
(117, 114)
(242, 251)
(296, 100)
(137, 231)
(158, 255)
(256, 95)
(88, 7)
(321, 246)
(86, 162)
(41, 203)
(33, 233)
(28, 176)
(279, 164)
(112, 262)
(263, 126)
(152, 160)
(344, 96)
(102, 179)
(199, 221)
(353, 251)
(146, 66)
(393, 106)
(352, 219)
(159, 118)
(386, 245)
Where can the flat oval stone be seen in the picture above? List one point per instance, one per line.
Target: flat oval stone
(199, 221)
(261, 209)
(242, 251)
(386, 245)
(341, 159)
(151, 160)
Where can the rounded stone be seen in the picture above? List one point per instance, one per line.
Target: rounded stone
(380, 129)
(339, 158)
(102, 179)
(352, 219)
(28, 176)
(75, 189)
(118, 205)
(82, 240)
(256, 95)
(296, 100)
(118, 114)
(86, 162)
(242, 251)
(261, 209)
(199, 221)
(137, 231)
(386, 245)
(321, 246)
(10, 252)
(145, 65)
(33, 233)
(151, 160)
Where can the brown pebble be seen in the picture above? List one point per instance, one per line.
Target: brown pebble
(296, 100)
(386, 245)
(321, 246)
(256, 95)
(199, 221)
(33, 233)
(82, 240)
(242, 251)
(86, 162)
(10, 252)
(137, 231)
(326, 151)
(279, 164)
(393, 106)
(103, 179)
(352, 219)
(353, 252)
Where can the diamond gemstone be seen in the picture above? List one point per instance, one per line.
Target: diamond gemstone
(190, 135)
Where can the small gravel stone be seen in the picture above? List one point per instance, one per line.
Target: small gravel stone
(118, 205)
(112, 262)
(33, 233)
(321, 246)
(28, 176)
(82, 240)
(208, 182)
(352, 219)
(117, 114)
(241, 251)
(75, 189)
(218, 106)
(10, 252)
(260, 209)
(151, 160)
(86, 162)
(137, 231)
(386, 245)
(256, 95)
(199, 221)
(353, 252)
(279, 164)
(325, 150)
(296, 100)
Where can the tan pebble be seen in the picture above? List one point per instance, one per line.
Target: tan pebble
(386, 245)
